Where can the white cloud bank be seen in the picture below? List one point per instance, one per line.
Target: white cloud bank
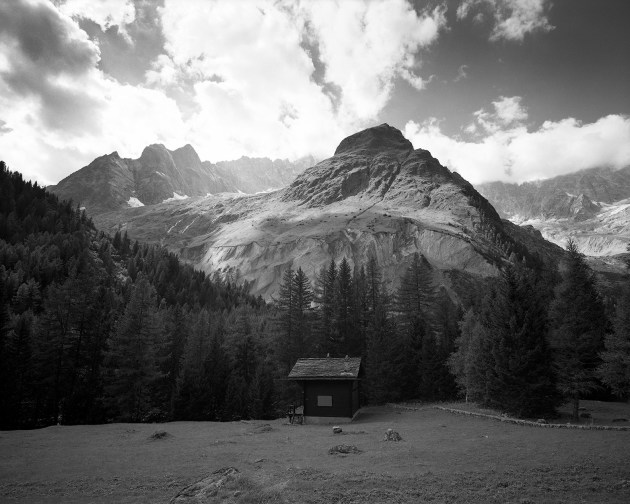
(247, 77)
(504, 149)
(252, 66)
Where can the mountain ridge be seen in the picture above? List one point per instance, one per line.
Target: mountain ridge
(589, 206)
(111, 183)
(376, 196)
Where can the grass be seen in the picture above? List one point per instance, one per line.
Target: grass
(441, 458)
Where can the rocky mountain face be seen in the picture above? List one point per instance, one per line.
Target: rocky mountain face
(376, 196)
(590, 206)
(110, 182)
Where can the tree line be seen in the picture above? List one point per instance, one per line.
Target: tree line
(97, 328)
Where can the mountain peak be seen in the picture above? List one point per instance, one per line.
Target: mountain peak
(377, 138)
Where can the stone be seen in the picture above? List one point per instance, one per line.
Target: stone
(392, 435)
(343, 449)
(160, 434)
(208, 487)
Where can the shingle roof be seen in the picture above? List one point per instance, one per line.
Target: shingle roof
(328, 368)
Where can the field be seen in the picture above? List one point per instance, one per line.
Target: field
(441, 458)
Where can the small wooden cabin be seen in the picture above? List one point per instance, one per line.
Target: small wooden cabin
(330, 388)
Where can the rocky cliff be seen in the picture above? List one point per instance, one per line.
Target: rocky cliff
(111, 182)
(590, 206)
(375, 196)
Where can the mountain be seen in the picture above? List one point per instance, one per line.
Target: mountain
(590, 206)
(375, 196)
(111, 182)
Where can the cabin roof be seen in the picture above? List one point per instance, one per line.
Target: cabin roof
(327, 368)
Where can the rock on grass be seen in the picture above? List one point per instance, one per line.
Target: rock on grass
(343, 449)
(160, 434)
(392, 435)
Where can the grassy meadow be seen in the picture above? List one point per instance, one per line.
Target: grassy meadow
(441, 458)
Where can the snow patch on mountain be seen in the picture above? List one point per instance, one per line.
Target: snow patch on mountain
(134, 202)
(176, 197)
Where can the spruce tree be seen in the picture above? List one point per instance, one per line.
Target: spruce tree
(286, 319)
(415, 343)
(522, 382)
(302, 316)
(614, 370)
(133, 350)
(346, 342)
(579, 327)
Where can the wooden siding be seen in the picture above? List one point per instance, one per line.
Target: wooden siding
(343, 398)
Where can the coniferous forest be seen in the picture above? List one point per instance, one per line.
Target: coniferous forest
(97, 328)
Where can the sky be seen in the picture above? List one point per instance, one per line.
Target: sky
(510, 90)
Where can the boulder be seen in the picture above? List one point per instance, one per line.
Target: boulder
(392, 435)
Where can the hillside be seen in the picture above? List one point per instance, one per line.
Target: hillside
(96, 327)
(376, 196)
(590, 206)
(111, 182)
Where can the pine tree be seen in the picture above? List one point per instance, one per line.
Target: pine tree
(286, 319)
(523, 382)
(579, 327)
(133, 363)
(614, 370)
(416, 344)
(345, 342)
(326, 299)
(302, 315)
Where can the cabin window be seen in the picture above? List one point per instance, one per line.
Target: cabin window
(324, 400)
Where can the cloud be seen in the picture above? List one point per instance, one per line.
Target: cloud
(105, 13)
(259, 78)
(508, 151)
(59, 110)
(461, 73)
(285, 79)
(365, 45)
(508, 112)
(512, 19)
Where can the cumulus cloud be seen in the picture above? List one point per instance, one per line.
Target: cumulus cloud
(508, 151)
(251, 68)
(508, 112)
(512, 19)
(365, 45)
(59, 110)
(105, 13)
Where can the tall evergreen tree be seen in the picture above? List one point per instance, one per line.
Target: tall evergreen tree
(326, 299)
(614, 370)
(133, 363)
(416, 343)
(302, 314)
(579, 327)
(522, 382)
(346, 341)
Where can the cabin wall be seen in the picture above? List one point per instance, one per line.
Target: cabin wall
(329, 398)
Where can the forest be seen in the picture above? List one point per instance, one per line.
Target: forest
(96, 328)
